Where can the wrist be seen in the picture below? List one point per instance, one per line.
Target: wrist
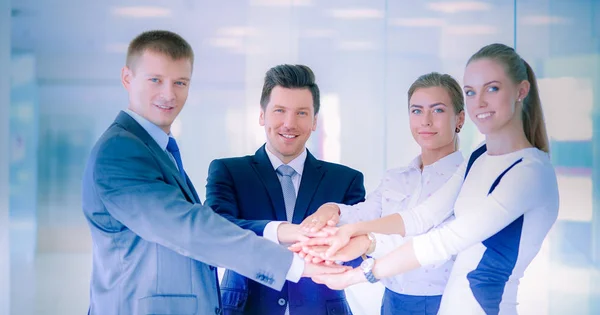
(358, 276)
(372, 244)
(282, 233)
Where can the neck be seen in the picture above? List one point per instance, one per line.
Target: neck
(166, 129)
(509, 139)
(429, 157)
(283, 158)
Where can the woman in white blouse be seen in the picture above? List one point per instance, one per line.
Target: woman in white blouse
(505, 199)
(436, 115)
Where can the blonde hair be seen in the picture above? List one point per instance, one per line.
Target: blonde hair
(518, 70)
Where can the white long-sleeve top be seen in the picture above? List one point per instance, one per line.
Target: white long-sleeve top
(494, 235)
(401, 189)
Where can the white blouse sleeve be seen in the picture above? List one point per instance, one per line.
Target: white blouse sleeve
(525, 187)
(368, 210)
(372, 207)
(436, 208)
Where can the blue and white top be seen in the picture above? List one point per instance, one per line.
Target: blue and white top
(503, 211)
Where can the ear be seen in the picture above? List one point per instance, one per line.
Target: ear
(126, 76)
(523, 89)
(460, 119)
(314, 127)
(261, 117)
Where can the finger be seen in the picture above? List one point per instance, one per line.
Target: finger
(302, 254)
(297, 245)
(330, 230)
(318, 279)
(332, 270)
(321, 233)
(317, 260)
(316, 224)
(295, 249)
(309, 223)
(317, 250)
(333, 249)
(318, 241)
(306, 223)
(302, 238)
(334, 219)
(308, 258)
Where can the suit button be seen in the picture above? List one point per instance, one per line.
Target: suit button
(281, 302)
(218, 311)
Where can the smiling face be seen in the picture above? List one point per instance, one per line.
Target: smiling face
(289, 119)
(494, 101)
(432, 118)
(158, 87)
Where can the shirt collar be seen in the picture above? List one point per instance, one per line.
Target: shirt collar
(161, 138)
(297, 164)
(450, 161)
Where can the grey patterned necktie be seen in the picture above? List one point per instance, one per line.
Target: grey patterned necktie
(289, 192)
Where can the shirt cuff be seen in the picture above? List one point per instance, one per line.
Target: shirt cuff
(345, 214)
(296, 270)
(385, 244)
(270, 231)
(409, 219)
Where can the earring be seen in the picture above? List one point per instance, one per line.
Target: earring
(457, 130)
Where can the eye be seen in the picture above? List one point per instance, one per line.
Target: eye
(154, 80)
(181, 83)
(492, 89)
(469, 93)
(278, 110)
(438, 110)
(416, 111)
(302, 113)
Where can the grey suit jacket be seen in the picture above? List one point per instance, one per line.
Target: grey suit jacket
(154, 243)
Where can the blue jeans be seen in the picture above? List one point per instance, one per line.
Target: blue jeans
(401, 304)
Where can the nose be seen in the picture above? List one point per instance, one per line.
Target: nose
(481, 101)
(426, 121)
(289, 121)
(168, 92)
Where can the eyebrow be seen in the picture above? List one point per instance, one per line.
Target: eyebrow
(430, 105)
(493, 81)
(301, 108)
(160, 76)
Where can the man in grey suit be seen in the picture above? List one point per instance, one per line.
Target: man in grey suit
(155, 244)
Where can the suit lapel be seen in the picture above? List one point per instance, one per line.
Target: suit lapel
(311, 178)
(191, 186)
(132, 126)
(264, 169)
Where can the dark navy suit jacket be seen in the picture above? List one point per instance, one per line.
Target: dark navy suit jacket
(247, 191)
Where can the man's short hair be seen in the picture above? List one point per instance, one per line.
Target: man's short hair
(290, 77)
(162, 42)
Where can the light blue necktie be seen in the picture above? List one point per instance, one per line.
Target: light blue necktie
(289, 197)
(289, 192)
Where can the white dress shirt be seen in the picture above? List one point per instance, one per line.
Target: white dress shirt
(270, 231)
(400, 190)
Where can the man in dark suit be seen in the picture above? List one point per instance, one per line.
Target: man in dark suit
(155, 244)
(282, 183)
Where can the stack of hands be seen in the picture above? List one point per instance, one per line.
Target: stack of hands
(325, 247)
